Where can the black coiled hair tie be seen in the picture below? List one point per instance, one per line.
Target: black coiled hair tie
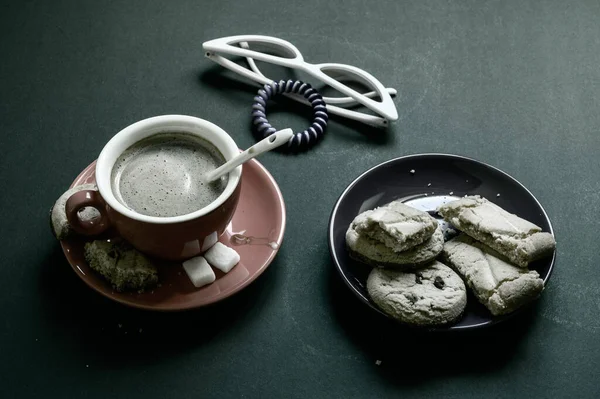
(301, 140)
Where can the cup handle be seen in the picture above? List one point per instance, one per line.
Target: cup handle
(80, 200)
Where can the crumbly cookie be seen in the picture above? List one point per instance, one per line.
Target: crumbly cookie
(434, 295)
(516, 238)
(396, 225)
(497, 284)
(121, 264)
(376, 254)
(58, 216)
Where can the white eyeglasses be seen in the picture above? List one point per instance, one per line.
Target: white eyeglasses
(285, 54)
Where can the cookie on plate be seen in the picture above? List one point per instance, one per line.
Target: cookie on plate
(516, 238)
(396, 225)
(434, 295)
(498, 285)
(376, 254)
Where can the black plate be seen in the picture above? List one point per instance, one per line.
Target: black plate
(425, 181)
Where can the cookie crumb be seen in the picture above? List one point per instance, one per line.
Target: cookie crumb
(378, 362)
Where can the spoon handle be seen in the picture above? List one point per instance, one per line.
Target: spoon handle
(269, 143)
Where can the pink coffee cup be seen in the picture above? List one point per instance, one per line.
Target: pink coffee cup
(173, 238)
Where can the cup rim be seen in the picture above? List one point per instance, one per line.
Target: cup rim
(147, 128)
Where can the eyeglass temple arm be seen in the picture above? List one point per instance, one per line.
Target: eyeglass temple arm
(250, 61)
(347, 101)
(260, 78)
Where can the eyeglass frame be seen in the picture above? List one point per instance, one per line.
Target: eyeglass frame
(385, 108)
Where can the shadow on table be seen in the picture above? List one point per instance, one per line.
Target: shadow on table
(411, 357)
(114, 336)
(230, 86)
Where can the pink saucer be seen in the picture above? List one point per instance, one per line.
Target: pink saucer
(255, 232)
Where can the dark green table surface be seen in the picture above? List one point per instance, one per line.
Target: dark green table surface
(513, 83)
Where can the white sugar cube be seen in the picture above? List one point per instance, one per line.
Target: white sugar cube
(199, 271)
(222, 257)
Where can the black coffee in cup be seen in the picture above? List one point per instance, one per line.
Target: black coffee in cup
(162, 175)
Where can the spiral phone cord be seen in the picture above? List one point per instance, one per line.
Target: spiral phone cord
(301, 140)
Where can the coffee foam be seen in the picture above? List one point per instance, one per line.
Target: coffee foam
(162, 175)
